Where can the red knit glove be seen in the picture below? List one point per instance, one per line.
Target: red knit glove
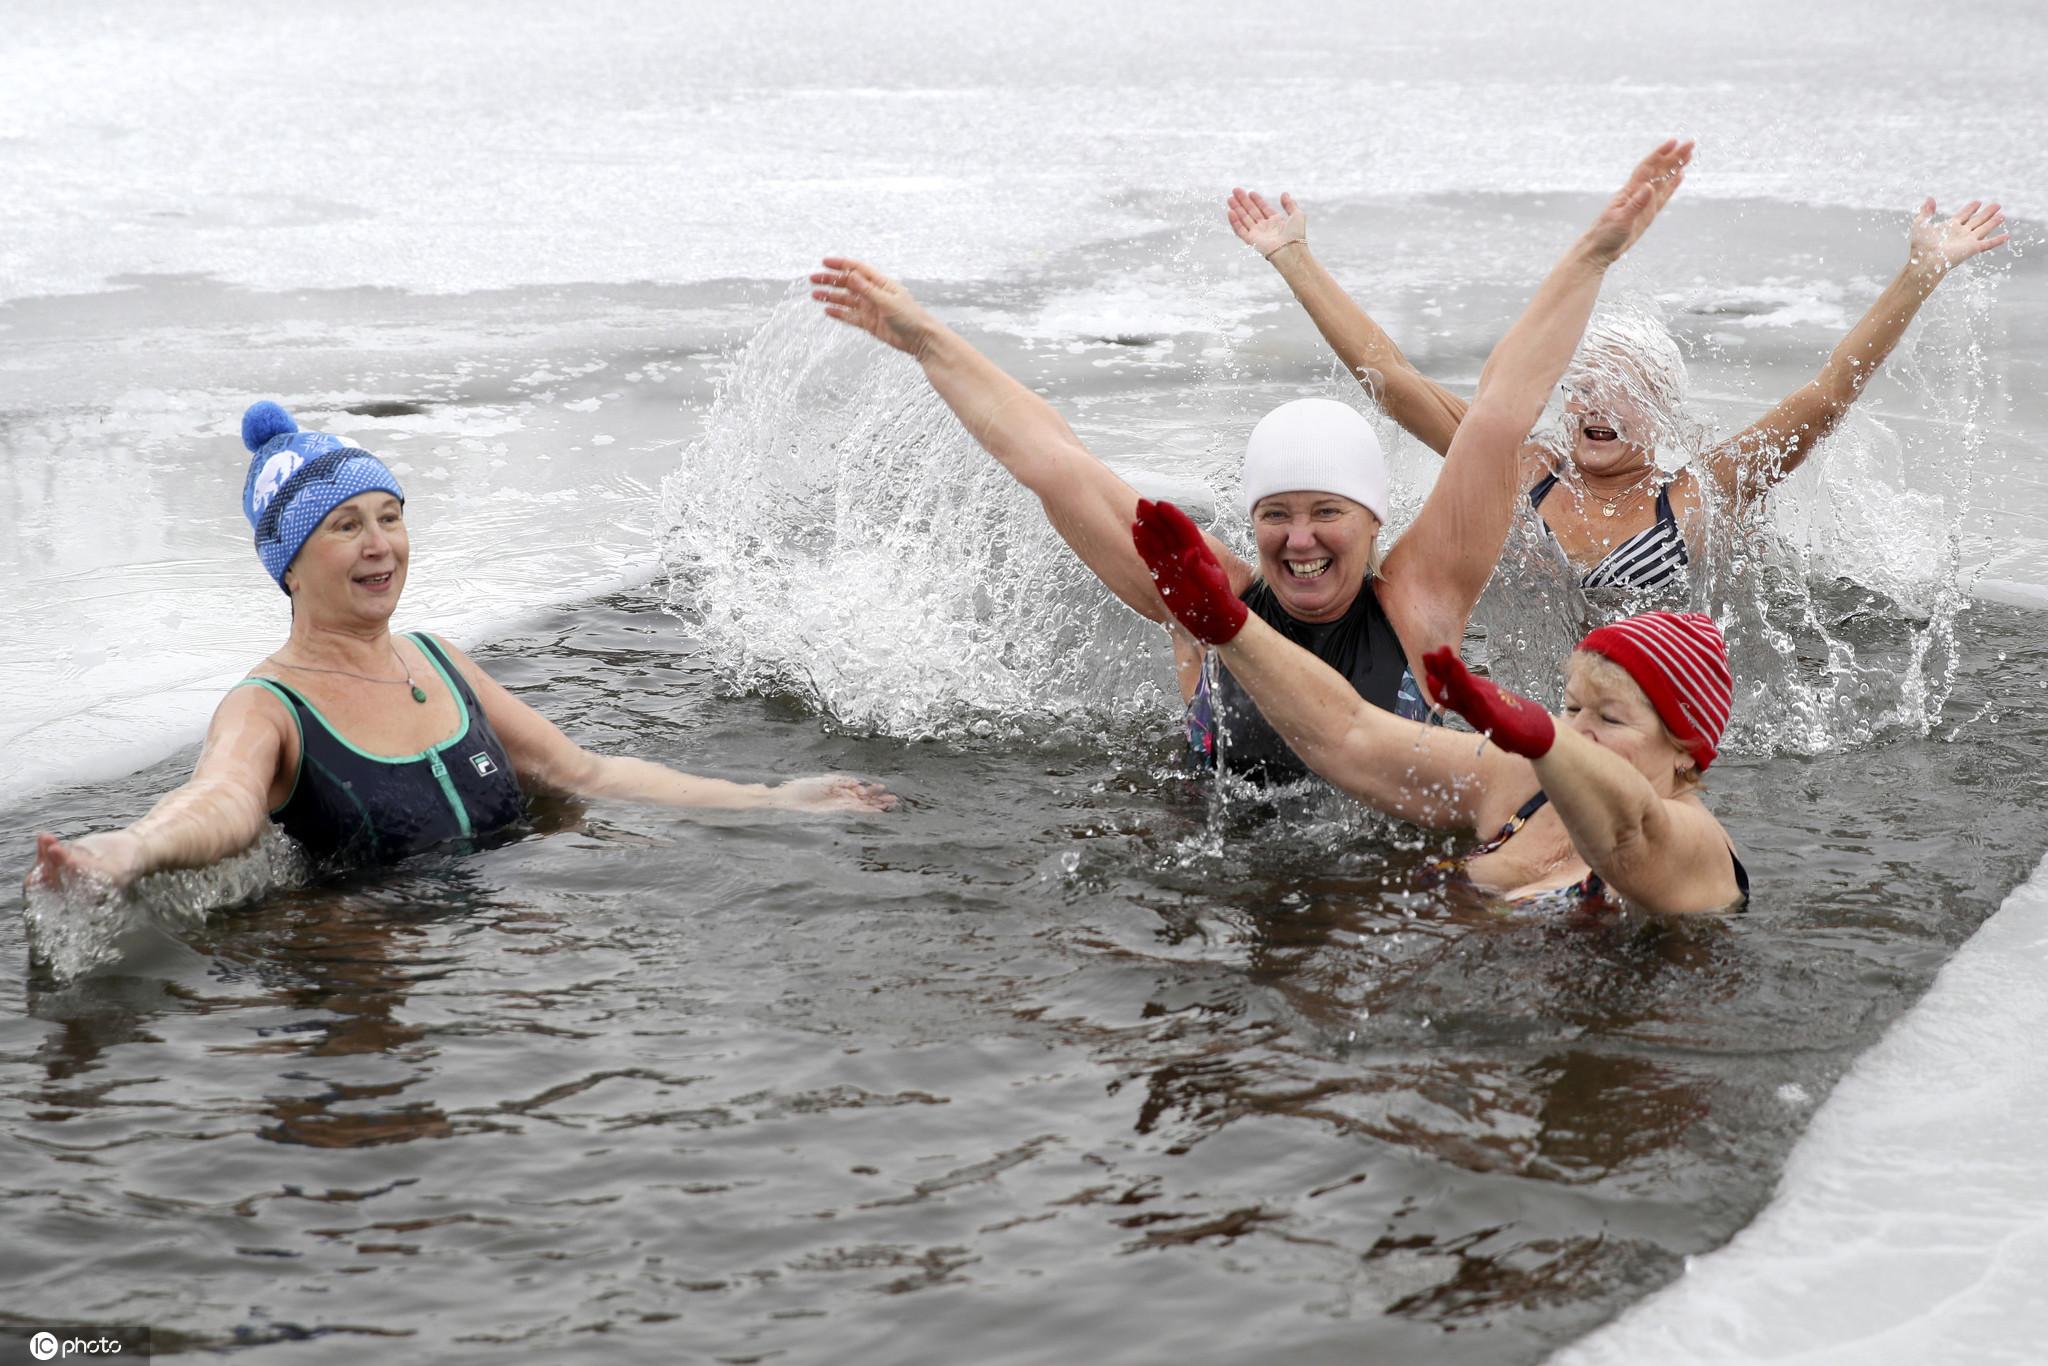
(1516, 724)
(1192, 583)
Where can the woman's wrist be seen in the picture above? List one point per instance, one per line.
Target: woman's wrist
(1274, 256)
(124, 855)
(936, 345)
(1925, 269)
(1591, 252)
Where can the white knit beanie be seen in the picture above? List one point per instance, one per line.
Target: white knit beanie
(1316, 445)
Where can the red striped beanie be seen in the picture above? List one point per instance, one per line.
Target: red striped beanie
(1680, 661)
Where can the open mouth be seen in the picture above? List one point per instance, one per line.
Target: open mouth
(1308, 569)
(1595, 432)
(376, 582)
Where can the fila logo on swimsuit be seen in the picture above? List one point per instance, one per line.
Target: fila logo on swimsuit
(276, 470)
(483, 765)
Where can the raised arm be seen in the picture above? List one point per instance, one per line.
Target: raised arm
(1659, 853)
(1085, 501)
(1438, 568)
(219, 811)
(1753, 462)
(1425, 409)
(1420, 773)
(544, 757)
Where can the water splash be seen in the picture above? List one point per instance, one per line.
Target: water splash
(88, 926)
(837, 536)
(1839, 599)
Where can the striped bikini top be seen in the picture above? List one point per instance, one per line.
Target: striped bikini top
(1650, 559)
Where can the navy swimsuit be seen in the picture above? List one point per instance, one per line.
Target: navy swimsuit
(1361, 645)
(350, 807)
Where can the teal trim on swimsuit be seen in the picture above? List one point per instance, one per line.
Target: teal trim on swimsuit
(293, 712)
(461, 707)
(455, 802)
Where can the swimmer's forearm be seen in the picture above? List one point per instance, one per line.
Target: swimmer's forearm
(1424, 408)
(1528, 361)
(640, 780)
(200, 823)
(1778, 443)
(1085, 501)
(1012, 423)
(1876, 334)
(1392, 765)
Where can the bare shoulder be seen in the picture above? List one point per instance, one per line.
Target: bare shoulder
(1699, 840)
(250, 704)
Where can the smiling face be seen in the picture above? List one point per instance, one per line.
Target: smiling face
(1603, 704)
(1314, 550)
(352, 568)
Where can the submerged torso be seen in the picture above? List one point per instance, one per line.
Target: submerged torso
(1653, 559)
(349, 806)
(1224, 724)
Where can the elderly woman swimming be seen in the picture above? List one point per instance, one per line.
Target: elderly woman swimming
(1620, 520)
(1603, 805)
(364, 746)
(1315, 486)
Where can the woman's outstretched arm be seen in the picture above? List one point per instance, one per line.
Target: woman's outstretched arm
(544, 757)
(1753, 462)
(1085, 501)
(1425, 409)
(219, 811)
(1436, 571)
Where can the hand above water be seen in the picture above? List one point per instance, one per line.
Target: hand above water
(1635, 206)
(113, 857)
(1192, 582)
(1513, 722)
(863, 297)
(834, 792)
(1260, 228)
(1942, 244)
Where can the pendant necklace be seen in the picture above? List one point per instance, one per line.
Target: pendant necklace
(1608, 506)
(419, 694)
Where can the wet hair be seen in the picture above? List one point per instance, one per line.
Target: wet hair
(1628, 354)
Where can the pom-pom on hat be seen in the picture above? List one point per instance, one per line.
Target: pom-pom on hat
(296, 478)
(1316, 445)
(1680, 661)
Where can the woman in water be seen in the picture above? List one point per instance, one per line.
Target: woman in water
(1315, 486)
(1605, 802)
(362, 745)
(1619, 520)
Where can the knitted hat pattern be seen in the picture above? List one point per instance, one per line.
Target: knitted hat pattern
(1316, 445)
(1680, 661)
(295, 479)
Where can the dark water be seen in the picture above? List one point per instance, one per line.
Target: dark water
(1059, 1062)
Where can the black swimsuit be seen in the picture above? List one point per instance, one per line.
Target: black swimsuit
(1361, 645)
(351, 807)
(1588, 888)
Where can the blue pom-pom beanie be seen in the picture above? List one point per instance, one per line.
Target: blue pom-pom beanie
(296, 478)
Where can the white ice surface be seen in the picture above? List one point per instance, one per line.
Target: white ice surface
(1911, 1223)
